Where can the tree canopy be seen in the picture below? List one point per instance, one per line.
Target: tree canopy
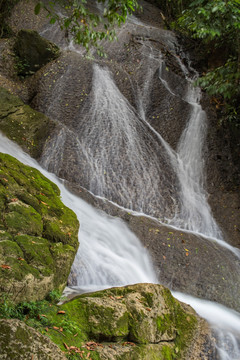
(217, 24)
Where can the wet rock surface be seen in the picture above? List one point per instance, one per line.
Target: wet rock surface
(134, 64)
(183, 261)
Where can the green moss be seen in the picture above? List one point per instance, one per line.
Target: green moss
(22, 218)
(20, 123)
(148, 299)
(32, 52)
(168, 353)
(166, 324)
(29, 201)
(36, 252)
(185, 323)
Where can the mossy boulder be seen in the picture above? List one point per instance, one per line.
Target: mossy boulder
(22, 124)
(142, 321)
(19, 341)
(32, 52)
(38, 233)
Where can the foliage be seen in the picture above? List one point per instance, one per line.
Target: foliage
(212, 20)
(172, 9)
(217, 24)
(31, 309)
(86, 27)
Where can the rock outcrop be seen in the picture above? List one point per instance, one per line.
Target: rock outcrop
(137, 322)
(38, 234)
(22, 124)
(141, 321)
(32, 52)
(19, 341)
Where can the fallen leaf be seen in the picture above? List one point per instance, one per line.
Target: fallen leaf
(61, 312)
(148, 309)
(66, 346)
(5, 267)
(19, 258)
(187, 253)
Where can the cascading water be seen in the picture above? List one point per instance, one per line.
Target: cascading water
(195, 213)
(224, 322)
(110, 253)
(122, 159)
(125, 159)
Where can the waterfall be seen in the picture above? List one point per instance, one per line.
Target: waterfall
(122, 157)
(195, 213)
(110, 254)
(224, 322)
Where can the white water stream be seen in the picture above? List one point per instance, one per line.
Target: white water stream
(111, 255)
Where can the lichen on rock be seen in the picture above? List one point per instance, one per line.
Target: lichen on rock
(19, 341)
(22, 124)
(38, 233)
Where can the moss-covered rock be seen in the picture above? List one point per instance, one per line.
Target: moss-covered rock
(33, 51)
(135, 322)
(38, 234)
(19, 341)
(20, 123)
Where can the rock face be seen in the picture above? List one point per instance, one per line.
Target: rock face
(183, 261)
(20, 123)
(33, 51)
(19, 341)
(141, 321)
(138, 322)
(38, 234)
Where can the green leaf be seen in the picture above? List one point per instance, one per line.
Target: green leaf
(37, 8)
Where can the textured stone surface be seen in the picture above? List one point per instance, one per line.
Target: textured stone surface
(33, 51)
(38, 234)
(19, 341)
(20, 123)
(141, 321)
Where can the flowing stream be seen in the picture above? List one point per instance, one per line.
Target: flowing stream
(111, 255)
(130, 163)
